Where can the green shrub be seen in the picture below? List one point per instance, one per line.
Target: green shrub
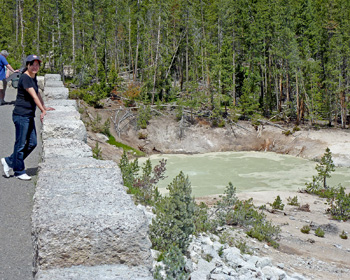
(293, 201)
(243, 214)
(243, 247)
(129, 170)
(232, 211)
(174, 222)
(262, 207)
(324, 169)
(343, 235)
(179, 112)
(265, 231)
(287, 132)
(319, 232)
(226, 238)
(305, 229)
(95, 93)
(201, 219)
(96, 152)
(148, 193)
(142, 135)
(105, 128)
(96, 124)
(144, 116)
(97, 127)
(277, 204)
(221, 251)
(174, 266)
(142, 186)
(340, 204)
(92, 95)
(338, 200)
(77, 93)
(225, 206)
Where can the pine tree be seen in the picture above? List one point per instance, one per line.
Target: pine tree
(174, 222)
(325, 167)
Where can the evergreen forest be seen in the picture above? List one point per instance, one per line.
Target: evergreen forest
(283, 59)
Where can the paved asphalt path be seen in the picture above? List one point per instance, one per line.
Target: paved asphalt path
(16, 203)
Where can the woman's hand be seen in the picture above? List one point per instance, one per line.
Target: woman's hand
(43, 113)
(49, 109)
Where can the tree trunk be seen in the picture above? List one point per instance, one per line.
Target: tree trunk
(131, 63)
(287, 88)
(204, 61)
(52, 54)
(73, 37)
(38, 30)
(269, 80)
(20, 11)
(187, 80)
(343, 109)
(219, 51)
(298, 98)
(265, 100)
(157, 57)
(17, 20)
(60, 63)
(116, 60)
(233, 68)
(281, 94)
(137, 41)
(94, 39)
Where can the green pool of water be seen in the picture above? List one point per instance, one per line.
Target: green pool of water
(248, 171)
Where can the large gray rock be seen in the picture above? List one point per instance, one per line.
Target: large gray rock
(56, 93)
(41, 82)
(60, 114)
(82, 215)
(63, 147)
(274, 273)
(203, 269)
(102, 272)
(62, 103)
(57, 128)
(54, 77)
(65, 108)
(53, 83)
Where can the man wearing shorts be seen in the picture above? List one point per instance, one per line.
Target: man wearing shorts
(5, 67)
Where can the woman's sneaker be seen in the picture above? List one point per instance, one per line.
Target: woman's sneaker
(24, 177)
(6, 168)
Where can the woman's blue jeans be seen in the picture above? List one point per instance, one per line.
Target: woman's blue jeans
(25, 143)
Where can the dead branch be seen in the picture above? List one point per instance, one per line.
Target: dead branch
(154, 110)
(270, 123)
(117, 122)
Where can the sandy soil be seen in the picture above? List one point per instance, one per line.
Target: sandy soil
(307, 254)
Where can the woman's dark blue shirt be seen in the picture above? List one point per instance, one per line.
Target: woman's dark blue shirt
(25, 105)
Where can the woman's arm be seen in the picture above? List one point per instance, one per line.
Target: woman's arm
(39, 102)
(42, 102)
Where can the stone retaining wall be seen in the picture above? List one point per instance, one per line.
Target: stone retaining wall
(84, 224)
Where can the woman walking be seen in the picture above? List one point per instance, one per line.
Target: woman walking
(28, 98)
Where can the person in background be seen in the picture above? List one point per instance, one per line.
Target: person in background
(5, 69)
(28, 99)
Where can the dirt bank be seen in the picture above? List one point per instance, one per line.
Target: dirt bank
(166, 135)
